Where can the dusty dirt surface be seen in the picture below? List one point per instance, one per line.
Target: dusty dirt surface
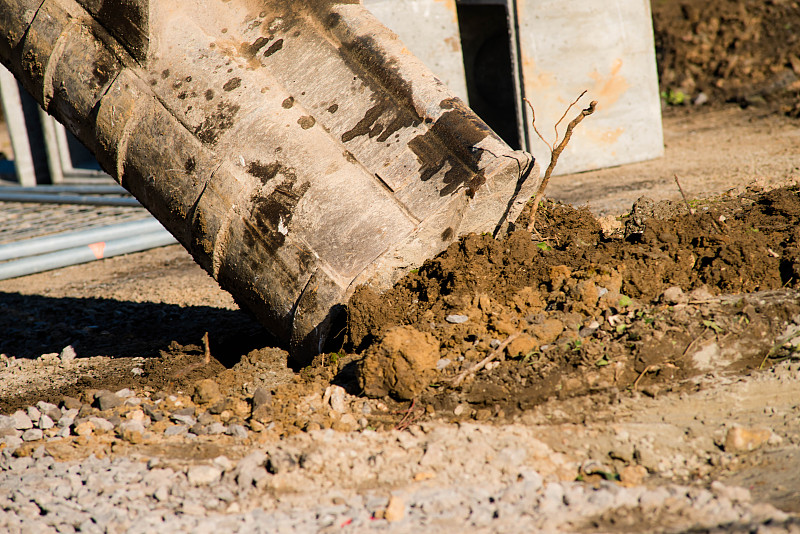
(627, 343)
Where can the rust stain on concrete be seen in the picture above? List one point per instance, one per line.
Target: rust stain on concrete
(608, 89)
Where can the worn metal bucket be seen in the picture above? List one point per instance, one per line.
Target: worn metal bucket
(296, 149)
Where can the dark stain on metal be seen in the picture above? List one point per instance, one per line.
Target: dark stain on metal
(209, 94)
(363, 53)
(188, 79)
(277, 45)
(273, 213)
(306, 122)
(250, 50)
(190, 165)
(333, 109)
(217, 122)
(288, 103)
(264, 171)
(332, 20)
(364, 126)
(349, 156)
(165, 74)
(452, 140)
(447, 235)
(232, 84)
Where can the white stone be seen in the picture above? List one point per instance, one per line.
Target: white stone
(202, 475)
(45, 422)
(21, 420)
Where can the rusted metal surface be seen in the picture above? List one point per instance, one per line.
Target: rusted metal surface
(295, 149)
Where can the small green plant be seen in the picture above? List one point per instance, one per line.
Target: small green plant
(621, 328)
(414, 271)
(544, 246)
(603, 361)
(674, 98)
(534, 354)
(334, 357)
(576, 345)
(714, 326)
(624, 301)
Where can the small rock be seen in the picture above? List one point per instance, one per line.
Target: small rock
(67, 355)
(176, 430)
(51, 410)
(442, 363)
(206, 391)
(71, 403)
(262, 414)
(33, 413)
(700, 99)
(6, 422)
(632, 475)
(102, 425)
(32, 434)
(45, 422)
(224, 463)
(66, 421)
(203, 475)
(237, 431)
(337, 399)
(216, 428)
(107, 401)
(187, 420)
(198, 430)
(741, 439)
(458, 410)
(522, 345)
(262, 397)
(161, 494)
(131, 431)
(456, 319)
(84, 428)
(125, 393)
(137, 371)
(8, 431)
(21, 420)
(395, 510)
(674, 295)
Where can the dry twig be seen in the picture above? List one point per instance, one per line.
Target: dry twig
(688, 206)
(481, 364)
(206, 350)
(556, 151)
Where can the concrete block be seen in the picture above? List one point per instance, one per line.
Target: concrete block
(606, 48)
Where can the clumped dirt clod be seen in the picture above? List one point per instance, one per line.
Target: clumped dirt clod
(403, 364)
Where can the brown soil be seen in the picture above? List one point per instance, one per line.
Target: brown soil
(730, 50)
(591, 313)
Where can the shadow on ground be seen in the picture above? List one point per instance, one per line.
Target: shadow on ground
(32, 325)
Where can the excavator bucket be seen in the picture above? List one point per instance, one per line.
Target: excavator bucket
(296, 149)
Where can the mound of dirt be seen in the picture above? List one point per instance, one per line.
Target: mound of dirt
(584, 311)
(746, 51)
